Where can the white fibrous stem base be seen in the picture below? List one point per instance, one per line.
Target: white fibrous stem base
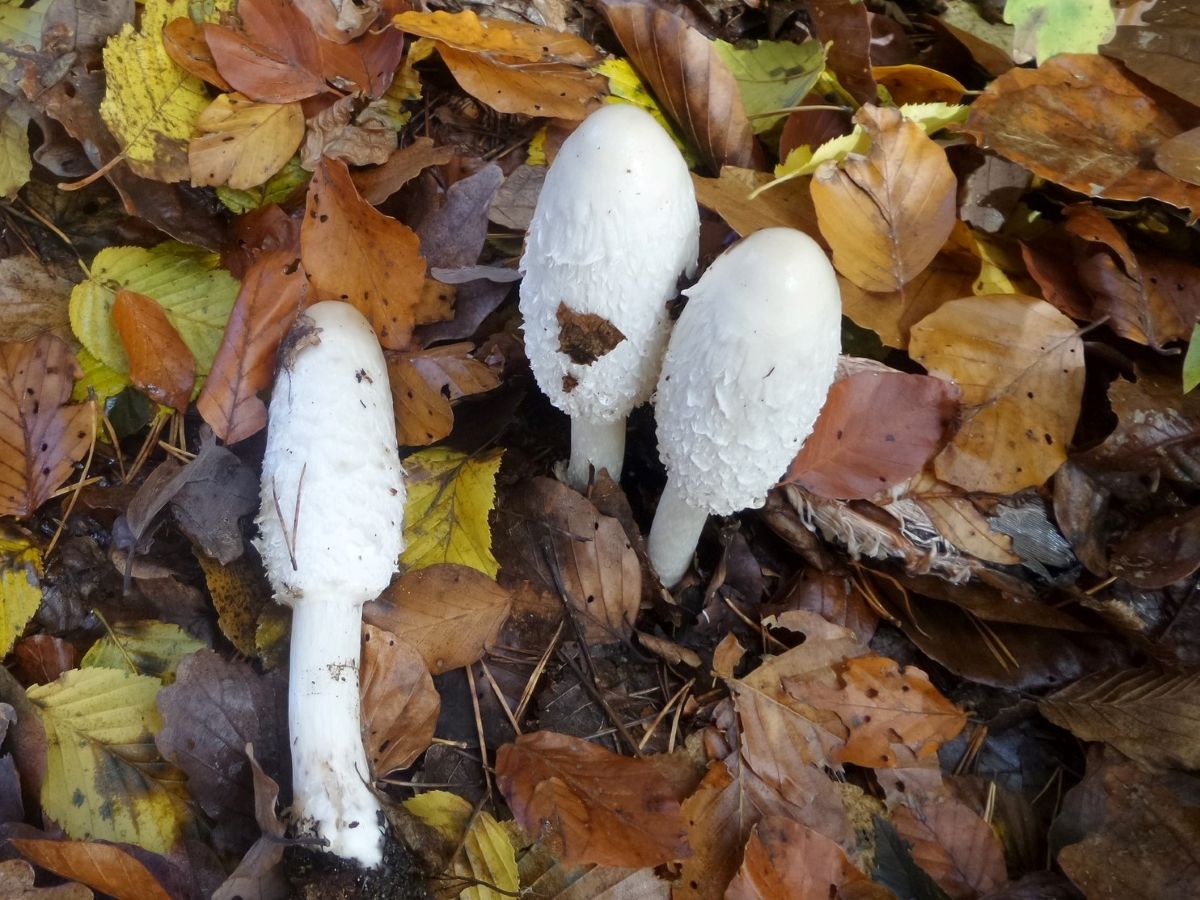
(674, 534)
(595, 445)
(330, 776)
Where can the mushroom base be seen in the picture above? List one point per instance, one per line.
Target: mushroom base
(674, 534)
(595, 445)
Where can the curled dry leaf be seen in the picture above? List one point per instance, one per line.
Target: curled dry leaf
(597, 806)
(41, 437)
(954, 845)
(17, 883)
(450, 614)
(354, 253)
(876, 430)
(160, 363)
(274, 59)
(242, 143)
(887, 215)
(339, 20)
(689, 79)
(424, 384)
(273, 292)
(400, 705)
(1081, 122)
(1019, 363)
(332, 133)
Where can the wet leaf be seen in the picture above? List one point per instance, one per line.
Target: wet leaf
(41, 436)
(1158, 431)
(105, 867)
(160, 363)
(886, 216)
(597, 806)
(1160, 553)
(488, 856)
(241, 143)
(450, 496)
(354, 253)
(146, 647)
(451, 614)
(1019, 363)
(399, 702)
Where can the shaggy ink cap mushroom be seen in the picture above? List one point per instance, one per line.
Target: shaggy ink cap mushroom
(747, 370)
(330, 522)
(615, 225)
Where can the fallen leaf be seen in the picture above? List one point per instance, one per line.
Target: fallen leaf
(41, 658)
(17, 883)
(32, 300)
(988, 42)
(689, 79)
(1164, 49)
(240, 593)
(450, 496)
(488, 856)
(1045, 28)
(789, 205)
(453, 235)
(20, 588)
(275, 59)
(954, 845)
(1079, 121)
(241, 143)
(848, 27)
(184, 41)
(105, 867)
(334, 132)
(467, 31)
(451, 614)
(377, 184)
(160, 363)
(1019, 363)
(399, 702)
(917, 84)
(886, 216)
(339, 22)
(354, 253)
(41, 436)
(597, 806)
(1179, 156)
(147, 646)
(370, 62)
(1160, 553)
(876, 430)
(772, 76)
(547, 89)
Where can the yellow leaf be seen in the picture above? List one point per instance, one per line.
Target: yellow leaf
(15, 162)
(490, 856)
(553, 90)
(466, 31)
(626, 86)
(104, 778)
(242, 142)
(151, 104)
(196, 294)
(105, 382)
(20, 587)
(151, 647)
(450, 495)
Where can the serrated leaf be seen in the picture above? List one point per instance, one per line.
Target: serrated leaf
(774, 75)
(104, 777)
(15, 162)
(490, 857)
(20, 588)
(450, 496)
(1045, 28)
(276, 190)
(151, 647)
(105, 382)
(196, 294)
(1191, 362)
(151, 105)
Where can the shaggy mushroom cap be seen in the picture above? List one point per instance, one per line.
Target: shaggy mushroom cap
(747, 370)
(615, 225)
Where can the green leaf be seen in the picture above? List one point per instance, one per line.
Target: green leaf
(450, 496)
(151, 647)
(151, 104)
(187, 281)
(104, 778)
(1191, 362)
(20, 588)
(105, 382)
(490, 858)
(15, 162)
(276, 189)
(20, 27)
(773, 76)
(1045, 28)
(626, 86)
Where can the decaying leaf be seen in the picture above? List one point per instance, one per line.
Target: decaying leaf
(450, 496)
(488, 855)
(1163, 49)
(954, 845)
(20, 588)
(160, 363)
(17, 883)
(148, 646)
(424, 384)
(399, 702)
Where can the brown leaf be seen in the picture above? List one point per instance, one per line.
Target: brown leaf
(354, 253)
(424, 384)
(185, 44)
(547, 90)
(954, 845)
(848, 26)
(41, 436)
(1179, 156)
(275, 59)
(882, 706)
(241, 143)
(600, 807)
(16, 883)
(467, 31)
(331, 133)
(1081, 122)
(160, 363)
(339, 21)
(369, 63)
(689, 80)
(887, 215)
(1019, 363)
(959, 521)
(918, 84)
(273, 292)
(41, 658)
(105, 867)
(1161, 553)
(788, 205)
(379, 183)
(832, 596)
(1164, 49)
(812, 127)
(400, 705)
(784, 860)
(876, 430)
(451, 614)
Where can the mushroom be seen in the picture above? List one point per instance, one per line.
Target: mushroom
(331, 520)
(615, 225)
(746, 372)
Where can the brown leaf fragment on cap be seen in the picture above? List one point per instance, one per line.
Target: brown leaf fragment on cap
(585, 337)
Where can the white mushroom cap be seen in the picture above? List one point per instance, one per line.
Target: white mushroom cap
(615, 225)
(747, 369)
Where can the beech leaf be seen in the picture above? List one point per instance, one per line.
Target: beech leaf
(241, 142)
(160, 363)
(399, 702)
(450, 496)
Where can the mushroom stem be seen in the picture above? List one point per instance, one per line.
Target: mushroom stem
(674, 534)
(598, 445)
(329, 766)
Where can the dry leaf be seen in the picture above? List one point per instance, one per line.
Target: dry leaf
(1019, 363)
(689, 79)
(243, 143)
(354, 253)
(160, 363)
(788, 205)
(331, 133)
(185, 43)
(451, 614)
(400, 705)
(379, 183)
(105, 867)
(40, 436)
(547, 90)
(369, 63)
(495, 37)
(1164, 48)
(275, 59)
(955, 846)
(918, 84)
(273, 292)
(424, 384)
(1161, 553)
(598, 807)
(339, 20)
(887, 215)
(17, 883)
